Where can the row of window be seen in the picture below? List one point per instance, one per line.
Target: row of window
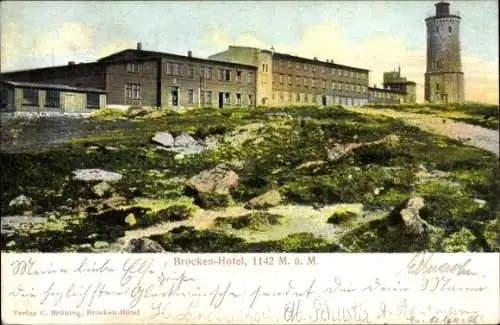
(206, 98)
(53, 98)
(300, 97)
(450, 29)
(385, 95)
(306, 82)
(207, 72)
(324, 69)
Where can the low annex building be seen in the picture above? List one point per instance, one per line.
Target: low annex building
(38, 97)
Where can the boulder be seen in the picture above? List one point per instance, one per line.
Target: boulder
(20, 203)
(113, 202)
(164, 138)
(185, 140)
(91, 175)
(217, 180)
(338, 150)
(268, 199)
(407, 219)
(144, 245)
(100, 244)
(102, 189)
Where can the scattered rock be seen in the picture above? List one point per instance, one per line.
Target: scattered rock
(90, 175)
(113, 202)
(338, 150)
(14, 224)
(185, 140)
(377, 190)
(480, 202)
(219, 180)
(102, 189)
(85, 248)
(12, 243)
(145, 245)
(101, 244)
(139, 111)
(266, 200)
(20, 203)
(130, 219)
(311, 164)
(406, 217)
(164, 138)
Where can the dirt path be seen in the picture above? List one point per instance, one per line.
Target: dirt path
(473, 135)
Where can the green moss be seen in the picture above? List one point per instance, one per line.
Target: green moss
(460, 241)
(213, 200)
(251, 221)
(295, 243)
(341, 217)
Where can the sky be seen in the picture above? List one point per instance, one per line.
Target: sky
(375, 35)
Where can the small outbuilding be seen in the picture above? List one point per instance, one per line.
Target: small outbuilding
(40, 97)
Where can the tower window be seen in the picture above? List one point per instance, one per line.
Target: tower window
(437, 86)
(449, 29)
(437, 29)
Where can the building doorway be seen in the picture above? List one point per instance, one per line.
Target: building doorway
(174, 96)
(221, 100)
(323, 100)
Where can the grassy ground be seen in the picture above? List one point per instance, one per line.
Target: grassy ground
(284, 154)
(477, 114)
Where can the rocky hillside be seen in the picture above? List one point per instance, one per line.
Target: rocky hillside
(246, 180)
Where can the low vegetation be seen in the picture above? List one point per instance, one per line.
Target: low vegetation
(282, 149)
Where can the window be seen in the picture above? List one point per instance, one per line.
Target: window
(30, 96)
(238, 75)
(289, 64)
(190, 71)
(190, 96)
(323, 70)
(227, 98)
(289, 80)
(202, 72)
(313, 83)
(282, 97)
(334, 86)
(290, 97)
(297, 97)
(238, 99)
(313, 68)
(132, 67)
(297, 66)
(250, 99)
(345, 73)
(437, 86)
(170, 68)
(305, 67)
(281, 79)
(178, 69)
(449, 29)
(304, 82)
(323, 84)
(209, 73)
(209, 97)
(93, 100)
(297, 81)
(52, 98)
(314, 99)
(334, 71)
(132, 91)
(225, 74)
(250, 77)
(352, 74)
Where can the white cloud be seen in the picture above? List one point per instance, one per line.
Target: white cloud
(327, 40)
(70, 37)
(115, 46)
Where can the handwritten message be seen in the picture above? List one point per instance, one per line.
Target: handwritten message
(250, 288)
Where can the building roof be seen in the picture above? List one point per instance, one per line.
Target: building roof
(307, 60)
(51, 86)
(407, 82)
(73, 66)
(142, 54)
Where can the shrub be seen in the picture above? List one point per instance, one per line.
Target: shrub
(295, 243)
(341, 217)
(252, 221)
(108, 113)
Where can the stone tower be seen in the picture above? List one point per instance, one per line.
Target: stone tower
(444, 79)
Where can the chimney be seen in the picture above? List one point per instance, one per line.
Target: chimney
(71, 62)
(139, 46)
(315, 59)
(190, 54)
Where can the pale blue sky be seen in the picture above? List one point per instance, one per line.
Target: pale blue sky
(83, 31)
